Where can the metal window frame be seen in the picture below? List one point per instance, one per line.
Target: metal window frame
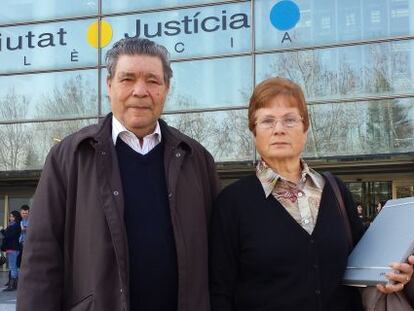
(252, 53)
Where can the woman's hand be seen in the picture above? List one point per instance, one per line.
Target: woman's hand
(399, 279)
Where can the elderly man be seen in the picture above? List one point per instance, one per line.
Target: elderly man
(119, 219)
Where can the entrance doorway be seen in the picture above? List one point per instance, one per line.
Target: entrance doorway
(369, 194)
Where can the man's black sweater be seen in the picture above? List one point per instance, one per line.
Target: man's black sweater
(151, 244)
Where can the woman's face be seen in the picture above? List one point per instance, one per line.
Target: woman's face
(379, 207)
(283, 140)
(11, 218)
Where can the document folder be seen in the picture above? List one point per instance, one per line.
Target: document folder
(389, 238)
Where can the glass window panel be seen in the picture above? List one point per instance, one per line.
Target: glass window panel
(381, 191)
(210, 84)
(357, 190)
(34, 10)
(24, 146)
(349, 21)
(222, 29)
(375, 17)
(205, 84)
(109, 6)
(402, 190)
(324, 21)
(225, 134)
(363, 70)
(328, 22)
(46, 46)
(361, 128)
(106, 106)
(49, 95)
(400, 15)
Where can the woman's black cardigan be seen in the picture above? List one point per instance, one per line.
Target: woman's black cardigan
(262, 259)
(11, 237)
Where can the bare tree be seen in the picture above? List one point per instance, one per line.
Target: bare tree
(332, 126)
(225, 134)
(14, 138)
(75, 98)
(46, 134)
(233, 138)
(388, 123)
(195, 125)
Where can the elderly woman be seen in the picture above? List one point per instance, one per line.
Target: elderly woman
(278, 240)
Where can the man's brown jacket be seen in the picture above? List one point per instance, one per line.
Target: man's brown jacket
(76, 251)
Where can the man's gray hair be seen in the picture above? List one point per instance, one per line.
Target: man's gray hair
(138, 46)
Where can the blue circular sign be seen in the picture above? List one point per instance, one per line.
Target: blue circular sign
(284, 15)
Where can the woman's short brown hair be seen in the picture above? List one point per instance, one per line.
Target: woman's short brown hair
(268, 89)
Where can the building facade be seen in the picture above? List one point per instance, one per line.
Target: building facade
(354, 60)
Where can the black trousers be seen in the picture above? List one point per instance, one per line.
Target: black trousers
(19, 257)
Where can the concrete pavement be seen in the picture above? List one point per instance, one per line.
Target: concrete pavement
(7, 299)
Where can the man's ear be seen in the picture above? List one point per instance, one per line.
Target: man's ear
(108, 82)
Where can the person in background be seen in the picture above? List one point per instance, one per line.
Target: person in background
(11, 247)
(360, 210)
(361, 215)
(379, 206)
(24, 212)
(278, 240)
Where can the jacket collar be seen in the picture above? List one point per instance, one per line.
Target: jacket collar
(101, 133)
(174, 138)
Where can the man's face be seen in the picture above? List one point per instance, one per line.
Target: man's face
(24, 213)
(137, 92)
